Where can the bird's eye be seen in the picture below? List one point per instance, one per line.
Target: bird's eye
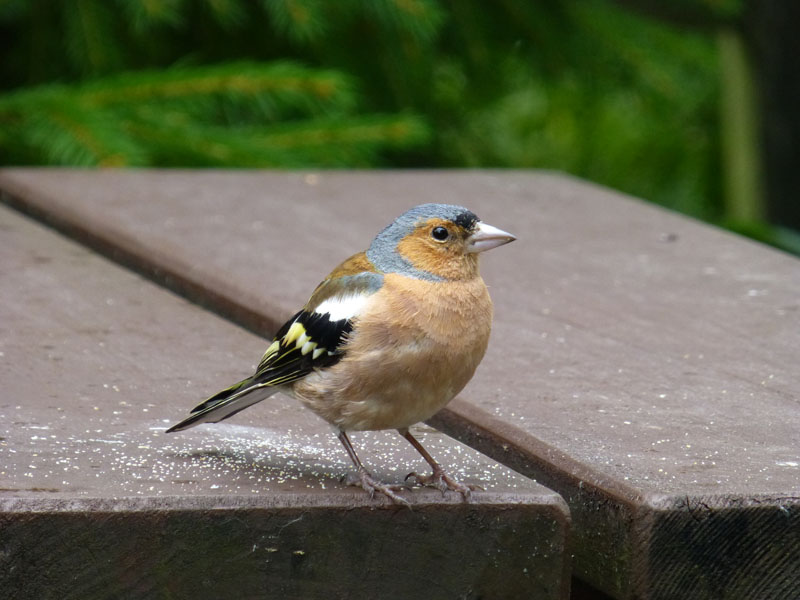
(440, 233)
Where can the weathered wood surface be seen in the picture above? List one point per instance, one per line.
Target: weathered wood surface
(97, 502)
(642, 364)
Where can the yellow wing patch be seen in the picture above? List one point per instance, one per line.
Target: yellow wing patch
(295, 331)
(273, 348)
(298, 336)
(300, 346)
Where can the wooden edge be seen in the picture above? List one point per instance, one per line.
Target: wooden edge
(705, 546)
(639, 566)
(242, 544)
(331, 498)
(604, 511)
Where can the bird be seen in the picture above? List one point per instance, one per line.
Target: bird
(385, 341)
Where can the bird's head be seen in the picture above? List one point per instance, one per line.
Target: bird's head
(435, 242)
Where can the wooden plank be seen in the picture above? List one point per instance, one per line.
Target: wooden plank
(97, 502)
(642, 364)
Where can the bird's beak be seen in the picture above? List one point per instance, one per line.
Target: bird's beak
(486, 237)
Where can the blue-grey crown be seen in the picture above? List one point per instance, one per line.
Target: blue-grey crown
(382, 252)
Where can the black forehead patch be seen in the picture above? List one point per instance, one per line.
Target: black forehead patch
(466, 219)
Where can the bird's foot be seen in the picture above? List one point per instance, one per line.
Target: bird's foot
(443, 482)
(371, 485)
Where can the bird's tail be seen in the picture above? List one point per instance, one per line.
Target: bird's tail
(226, 403)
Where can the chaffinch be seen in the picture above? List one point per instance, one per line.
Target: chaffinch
(386, 340)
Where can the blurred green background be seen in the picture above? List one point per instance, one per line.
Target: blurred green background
(657, 103)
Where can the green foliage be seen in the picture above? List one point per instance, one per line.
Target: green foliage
(603, 112)
(240, 114)
(107, 110)
(585, 86)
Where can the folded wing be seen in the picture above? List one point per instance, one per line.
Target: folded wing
(314, 338)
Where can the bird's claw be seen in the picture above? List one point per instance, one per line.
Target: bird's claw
(443, 482)
(371, 485)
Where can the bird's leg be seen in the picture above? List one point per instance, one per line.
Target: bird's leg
(438, 479)
(365, 480)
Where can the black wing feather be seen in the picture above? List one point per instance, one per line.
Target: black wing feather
(288, 363)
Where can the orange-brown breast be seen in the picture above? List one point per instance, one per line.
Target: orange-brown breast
(414, 348)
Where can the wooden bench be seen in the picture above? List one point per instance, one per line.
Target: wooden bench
(97, 502)
(642, 365)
